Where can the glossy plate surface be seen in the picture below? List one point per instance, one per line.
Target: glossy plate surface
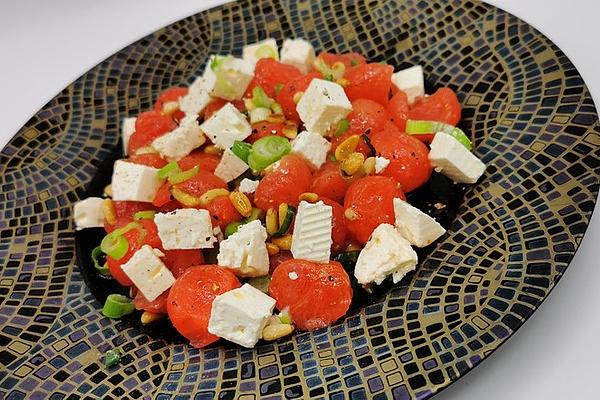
(534, 124)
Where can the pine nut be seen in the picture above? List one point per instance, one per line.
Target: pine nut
(284, 242)
(274, 332)
(170, 107)
(150, 317)
(271, 221)
(297, 97)
(108, 191)
(212, 194)
(369, 166)
(212, 149)
(110, 214)
(272, 249)
(241, 202)
(350, 214)
(309, 197)
(353, 163)
(283, 209)
(184, 198)
(346, 148)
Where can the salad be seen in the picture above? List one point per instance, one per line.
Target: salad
(239, 195)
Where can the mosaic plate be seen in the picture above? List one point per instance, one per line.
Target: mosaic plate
(533, 123)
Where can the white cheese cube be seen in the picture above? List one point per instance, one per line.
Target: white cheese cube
(240, 315)
(386, 253)
(322, 106)
(134, 182)
(312, 232)
(148, 273)
(196, 100)
(263, 49)
(411, 82)
(381, 163)
(180, 141)
(127, 129)
(248, 185)
(299, 53)
(417, 227)
(227, 77)
(312, 146)
(230, 166)
(186, 228)
(226, 126)
(454, 160)
(245, 252)
(88, 213)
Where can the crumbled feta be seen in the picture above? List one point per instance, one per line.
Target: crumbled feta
(248, 185)
(293, 276)
(311, 239)
(411, 82)
(186, 228)
(312, 146)
(88, 213)
(180, 141)
(127, 129)
(226, 126)
(322, 106)
(299, 53)
(230, 166)
(218, 234)
(386, 252)
(229, 78)
(245, 252)
(134, 182)
(240, 315)
(417, 227)
(148, 273)
(263, 49)
(381, 163)
(454, 160)
(196, 100)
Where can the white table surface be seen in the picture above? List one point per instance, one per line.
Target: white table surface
(45, 45)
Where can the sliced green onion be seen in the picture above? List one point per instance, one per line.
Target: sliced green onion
(168, 170)
(225, 82)
(328, 77)
(383, 62)
(367, 140)
(257, 213)
(289, 217)
(232, 228)
(330, 73)
(183, 176)
(278, 87)
(285, 318)
(144, 215)
(241, 149)
(332, 157)
(267, 150)
(276, 108)
(112, 358)
(260, 98)
(261, 283)
(249, 104)
(266, 51)
(343, 126)
(114, 245)
(216, 62)
(259, 114)
(416, 127)
(117, 305)
(353, 62)
(99, 260)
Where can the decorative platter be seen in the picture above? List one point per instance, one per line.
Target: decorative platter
(532, 120)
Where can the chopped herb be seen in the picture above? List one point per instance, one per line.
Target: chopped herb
(353, 62)
(332, 157)
(343, 126)
(112, 358)
(278, 87)
(328, 77)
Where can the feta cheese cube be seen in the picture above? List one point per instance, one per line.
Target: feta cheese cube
(411, 82)
(312, 232)
(135, 182)
(417, 227)
(196, 100)
(88, 213)
(299, 53)
(180, 141)
(186, 228)
(263, 49)
(230, 166)
(148, 273)
(454, 160)
(227, 77)
(381, 163)
(240, 315)
(245, 252)
(127, 129)
(322, 106)
(248, 185)
(226, 126)
(312, 146)
(386, 252)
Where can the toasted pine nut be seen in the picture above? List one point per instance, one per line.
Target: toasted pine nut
(170, 107)
(146, 150)
(284, 242)
(309, 196)
(271, 221)
(108, 208)
(297, 97)
(290, 130)
(274, 332)
(272, 249)
(353, 163)
(276, 119)
(346, 148)
(212, 194)
(150, 317)
(212, 149)
(350, 214)
(369, 166)
(353, 247)
(241, 202)
(184, 198)
(283, 209)
(343, 82)
(108, 191)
